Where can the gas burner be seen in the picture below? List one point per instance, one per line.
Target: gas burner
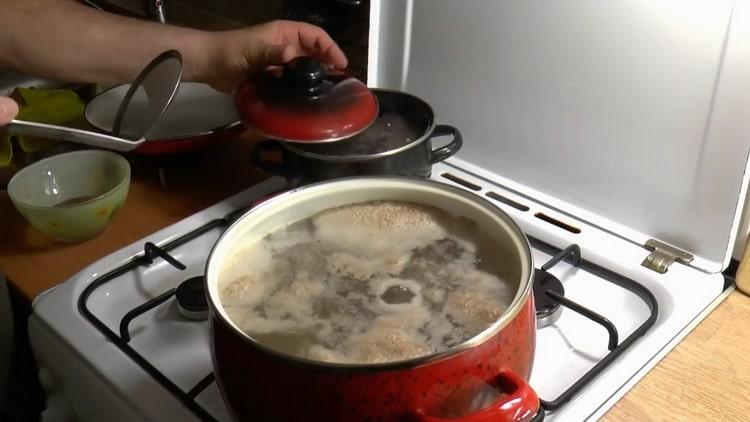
(191, 299)
(549, 293)
(547, 310)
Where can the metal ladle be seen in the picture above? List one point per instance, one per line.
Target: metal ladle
(158, 82)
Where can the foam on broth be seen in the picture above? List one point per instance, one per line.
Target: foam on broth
(374, 282)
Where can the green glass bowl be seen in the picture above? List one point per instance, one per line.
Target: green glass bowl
(72, 196)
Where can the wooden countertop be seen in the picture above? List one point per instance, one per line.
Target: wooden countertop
(33, 262)
(706, 377)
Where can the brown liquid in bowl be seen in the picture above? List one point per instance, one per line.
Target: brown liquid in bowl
(76, 200)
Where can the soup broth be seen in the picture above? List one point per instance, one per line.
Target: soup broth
(373, 282)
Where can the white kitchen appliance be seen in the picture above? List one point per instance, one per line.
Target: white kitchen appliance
(618, 127)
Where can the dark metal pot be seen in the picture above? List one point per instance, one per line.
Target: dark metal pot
(259, 383)
(398, 143)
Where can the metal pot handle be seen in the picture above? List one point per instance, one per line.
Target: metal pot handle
(519, 404)
(274, 168)
(439, 154)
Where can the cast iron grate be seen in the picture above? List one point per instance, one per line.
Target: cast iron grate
(121, 341)
(573, 254)
(188, 398)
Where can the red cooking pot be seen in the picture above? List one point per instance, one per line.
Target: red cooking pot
(259, 383)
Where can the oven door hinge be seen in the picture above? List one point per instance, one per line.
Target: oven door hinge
(663, 255)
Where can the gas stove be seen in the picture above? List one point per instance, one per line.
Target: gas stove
(615, 136)
(126, 339)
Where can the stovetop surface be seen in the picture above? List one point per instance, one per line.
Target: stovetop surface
(179, 348)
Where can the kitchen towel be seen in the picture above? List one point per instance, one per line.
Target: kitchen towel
(54, 106)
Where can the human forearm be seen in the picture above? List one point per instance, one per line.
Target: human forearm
(62, 39)
(65, 40)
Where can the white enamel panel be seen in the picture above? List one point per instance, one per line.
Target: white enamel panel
(567, 349)
(631, 115)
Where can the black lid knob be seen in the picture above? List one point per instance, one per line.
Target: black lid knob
(305, 75)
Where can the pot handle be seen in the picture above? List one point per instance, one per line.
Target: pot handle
(519, 404)
(439, 154)
(277, 169)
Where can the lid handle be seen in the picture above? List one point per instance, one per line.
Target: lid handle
(306, 75)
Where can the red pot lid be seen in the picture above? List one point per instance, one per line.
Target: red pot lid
(302, 102)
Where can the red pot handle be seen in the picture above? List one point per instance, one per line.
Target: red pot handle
(519, 404)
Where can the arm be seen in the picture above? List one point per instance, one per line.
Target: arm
(65, 40)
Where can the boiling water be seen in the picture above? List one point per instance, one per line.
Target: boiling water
(388, 132)
(367, 283)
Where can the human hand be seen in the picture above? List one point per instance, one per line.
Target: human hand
(237, 53)
(8, 110)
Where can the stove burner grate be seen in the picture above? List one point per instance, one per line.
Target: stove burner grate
(548, 290)
(122, 340)
(150, 253)
(550, 296)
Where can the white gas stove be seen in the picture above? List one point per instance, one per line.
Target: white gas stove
(112, 343)
(617, 131)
